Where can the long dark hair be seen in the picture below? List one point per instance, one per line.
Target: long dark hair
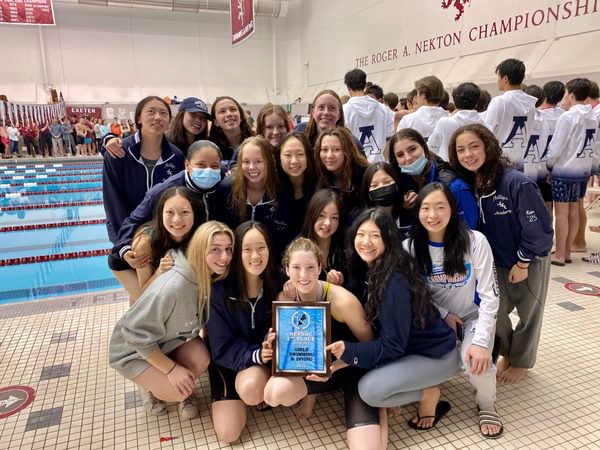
(161, 240)
(318, 202)
(178, 136)
(493, 167)
(353, 159)
(393, 259)
(456, 236)
(217, 135)
(237, 287)
(366, 184)
(140, 106)
(309, 177)
(415, 136)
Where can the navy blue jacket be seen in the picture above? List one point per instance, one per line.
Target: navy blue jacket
(126, 180)
(236, 329)
(397, 335)
(275, 215)
(213, 203)
(443, 173)
(515, 220)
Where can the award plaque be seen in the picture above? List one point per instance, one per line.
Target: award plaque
(302, 333)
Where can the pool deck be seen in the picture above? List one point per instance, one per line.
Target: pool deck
(59, 347)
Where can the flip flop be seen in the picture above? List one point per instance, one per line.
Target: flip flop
(441, 410)
(490, 418)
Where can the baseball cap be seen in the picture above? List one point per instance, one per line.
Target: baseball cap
(193, 104)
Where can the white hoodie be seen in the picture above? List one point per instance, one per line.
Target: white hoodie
(510, 116)
(534, 161)
(423, 120)
(574, 150)
(440, 138)
(369, 122)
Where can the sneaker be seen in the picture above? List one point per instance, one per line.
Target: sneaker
(188, 409)
(151, 404)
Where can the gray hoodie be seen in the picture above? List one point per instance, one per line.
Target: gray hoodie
(165, 316)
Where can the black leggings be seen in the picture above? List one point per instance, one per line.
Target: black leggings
(358, 413)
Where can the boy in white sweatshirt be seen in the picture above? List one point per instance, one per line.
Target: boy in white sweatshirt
(511, 114)
(573, 155)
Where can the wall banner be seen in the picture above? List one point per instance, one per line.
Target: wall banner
(242, 20)
(27, 12)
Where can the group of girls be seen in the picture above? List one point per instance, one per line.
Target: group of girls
(397, 309)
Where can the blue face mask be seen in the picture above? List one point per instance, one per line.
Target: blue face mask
(206, 178)
(416, 167)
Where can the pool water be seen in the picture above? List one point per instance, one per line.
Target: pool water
(53, 238)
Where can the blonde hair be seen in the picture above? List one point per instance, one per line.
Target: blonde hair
(302, 245)
(196, 255)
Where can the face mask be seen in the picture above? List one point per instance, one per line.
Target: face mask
(206, 178)
(384, 196)
(416, 168)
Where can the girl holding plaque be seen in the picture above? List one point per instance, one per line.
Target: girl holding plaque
(240, 317)
(156, 343)
(367, 429)
(459, 270)
(414, 350)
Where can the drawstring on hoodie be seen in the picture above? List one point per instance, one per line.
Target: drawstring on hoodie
(480, 204)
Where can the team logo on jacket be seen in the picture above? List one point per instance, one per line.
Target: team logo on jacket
(441, 279)
(587, 150)
(367, 140)
(169, 169)
(502, 205)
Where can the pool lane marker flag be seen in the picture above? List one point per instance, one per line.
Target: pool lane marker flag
(242, 20)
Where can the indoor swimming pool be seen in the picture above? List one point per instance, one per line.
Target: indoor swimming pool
(53, 238)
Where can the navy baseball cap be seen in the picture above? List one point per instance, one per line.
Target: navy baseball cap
(193, 104)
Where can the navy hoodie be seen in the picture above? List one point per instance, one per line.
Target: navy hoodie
(397, 335)
(211, 199)
(275, 215)
(126, 180)
(515, 220)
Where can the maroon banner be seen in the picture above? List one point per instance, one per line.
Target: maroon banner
(242, 20)
(29, 12)
(88, 111)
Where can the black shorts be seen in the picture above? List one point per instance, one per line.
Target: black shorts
(80, 140)
(117, 264)
(357, 412)
(222, 383)
(546, 190)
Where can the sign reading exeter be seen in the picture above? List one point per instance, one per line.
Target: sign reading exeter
(15, 398)
(583, 288)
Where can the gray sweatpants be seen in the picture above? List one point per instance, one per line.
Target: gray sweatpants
(529, 297)
(485, 383)
(402, 381)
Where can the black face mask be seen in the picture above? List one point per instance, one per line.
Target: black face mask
(384, 196)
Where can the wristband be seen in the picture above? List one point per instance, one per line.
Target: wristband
(521, 267)
(171, 370)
